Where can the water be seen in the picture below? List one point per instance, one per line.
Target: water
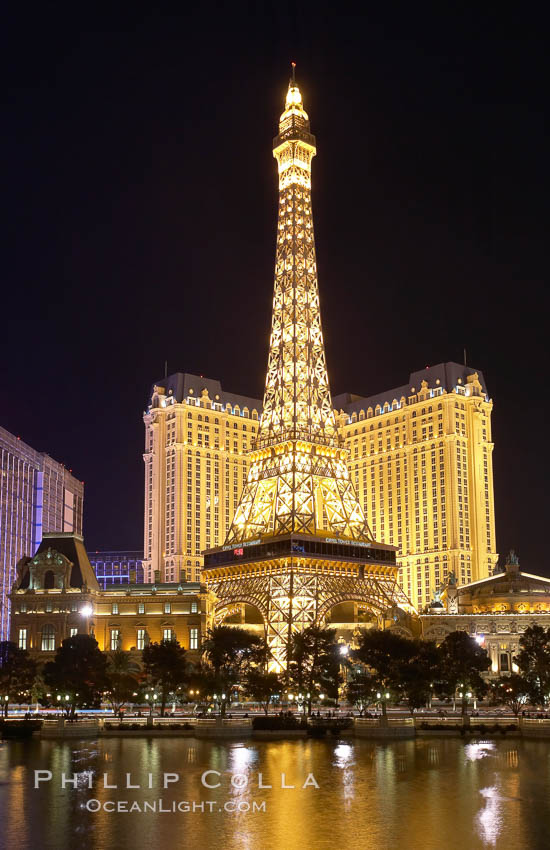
(427, 793)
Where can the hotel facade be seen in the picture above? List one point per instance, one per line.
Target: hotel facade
(420, 457)
(56, 595)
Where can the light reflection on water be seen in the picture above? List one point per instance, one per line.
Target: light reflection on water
(479, 750)
(428, 793)
(489, 818)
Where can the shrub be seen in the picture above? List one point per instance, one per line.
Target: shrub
(275, 723)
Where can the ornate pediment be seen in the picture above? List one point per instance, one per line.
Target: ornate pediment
(48, 570)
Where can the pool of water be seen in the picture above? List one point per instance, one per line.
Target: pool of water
(429, 793)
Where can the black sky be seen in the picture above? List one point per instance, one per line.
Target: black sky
(140, 200)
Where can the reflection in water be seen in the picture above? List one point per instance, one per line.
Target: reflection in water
(433, 756)
(479, 750)
(512, 758)
(489, 819)
(343, 755)
(373, 795)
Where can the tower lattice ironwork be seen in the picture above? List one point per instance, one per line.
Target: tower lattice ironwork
(299, 491)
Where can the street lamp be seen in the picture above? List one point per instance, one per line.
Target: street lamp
(344, 649)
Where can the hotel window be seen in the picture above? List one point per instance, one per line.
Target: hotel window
(73, 632)
(114, 608)
(115, 639)
(48, 639)
(141, 607)
(194, 607)
(23, 608)
(504, 662)
(167, 608)
(193, 638)
(167, 634)
(22, 642)
(141, 638)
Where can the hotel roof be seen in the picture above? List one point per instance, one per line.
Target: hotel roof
(445, 375)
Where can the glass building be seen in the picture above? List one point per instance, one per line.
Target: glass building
(112, 568)
(37, 495)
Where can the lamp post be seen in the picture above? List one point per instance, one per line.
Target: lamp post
(6, 702)
(151, 700)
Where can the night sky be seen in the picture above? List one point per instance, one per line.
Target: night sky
(140, 197)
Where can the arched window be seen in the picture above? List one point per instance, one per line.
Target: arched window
(48, 638)
(49, 580)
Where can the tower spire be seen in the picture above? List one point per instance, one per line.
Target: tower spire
(298, 477)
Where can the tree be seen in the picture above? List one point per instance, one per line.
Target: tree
(419, 673)
(77, 671)
(533, 661)
(385, 654)
(166, 668)
(360, 688)
(122, 679)
(229, 652)
(512, 691)
(261, 686)
(314, 664)
(462, 663)
(17, 674)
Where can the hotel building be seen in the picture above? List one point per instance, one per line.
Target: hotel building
(421, 460)
(196, 440)
(37, 495)
(117, 567)
(420, 457)
(56, 595)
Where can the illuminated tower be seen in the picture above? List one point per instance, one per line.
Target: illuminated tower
(299, 542)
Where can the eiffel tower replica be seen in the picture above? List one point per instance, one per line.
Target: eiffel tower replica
(299, 543)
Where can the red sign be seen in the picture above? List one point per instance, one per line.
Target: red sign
(238, 551)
